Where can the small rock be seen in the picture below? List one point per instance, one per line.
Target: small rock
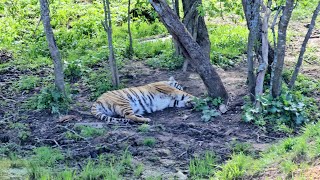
(223, 108)
(163, 152)
(165, 138)
(180, 176)
(167, 162)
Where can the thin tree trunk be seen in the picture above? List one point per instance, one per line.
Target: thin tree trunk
(129, 32)
(252, 11)
(196, 26)
(281, 47)
(108, 28)
(191, 49)
(303, 47)
(54, 51)
(264, 63)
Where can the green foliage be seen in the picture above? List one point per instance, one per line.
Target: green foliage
(202, 167)
(138, 170)
(215, 8)
(23, 130)
(234, 168)
(228, 42)
(291, 109)
(88, 131)
(149, 141)
(46, 156)
(27, 83)
(50, 98)
(98, 82)
(73, 70)
(166, 60)
(207, 106)
(152, 48)
(239, 147)
(144, 128)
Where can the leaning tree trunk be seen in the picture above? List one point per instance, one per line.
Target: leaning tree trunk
(191, 49)
(281, 47)
(303, 46)
(108, 28)
(196, 26)
(54, 51)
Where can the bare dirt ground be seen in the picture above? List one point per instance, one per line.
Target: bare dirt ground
(180, 133)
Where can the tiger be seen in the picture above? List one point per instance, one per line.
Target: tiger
(129, 104)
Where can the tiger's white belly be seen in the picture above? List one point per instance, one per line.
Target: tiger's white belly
(146, 105)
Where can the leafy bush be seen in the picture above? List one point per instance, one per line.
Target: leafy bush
(27, 83)
(72, 70)
(208, 107)
(291, 109)
(50, 98)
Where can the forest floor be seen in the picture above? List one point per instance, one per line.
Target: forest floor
(179, 134)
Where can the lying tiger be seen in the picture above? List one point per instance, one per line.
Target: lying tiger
(129, 104)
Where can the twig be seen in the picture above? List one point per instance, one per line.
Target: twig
(1, 96)
(37, 139)
(77, 134)
(34, 32)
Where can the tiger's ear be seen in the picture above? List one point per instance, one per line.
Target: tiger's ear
(172, 79)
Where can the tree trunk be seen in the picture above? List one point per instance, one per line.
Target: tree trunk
(252, 12)
(108, 28)
(130, 50)
(281, 47)
(196, 26)
(191, 49)
(270, 49)
(264, 62)
(54, 51)
(303, 46)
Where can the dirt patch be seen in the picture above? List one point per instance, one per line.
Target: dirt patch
(179, 133)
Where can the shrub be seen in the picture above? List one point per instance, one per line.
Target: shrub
(208, 107)
(291, 109)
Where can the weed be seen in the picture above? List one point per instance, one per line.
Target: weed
(23, 131)
(239, 147)
(50, 98)
(73, 70)
(234, 168)
(202, 167)
(291, 109)
(88, 131)
(27, 83)
(166, 60)
(149, 141)
(207, 106)
(138, 170)
(144, 128)
(46, 156)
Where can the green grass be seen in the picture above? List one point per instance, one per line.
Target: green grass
(149, 141)
(202, 167)
(144, 128)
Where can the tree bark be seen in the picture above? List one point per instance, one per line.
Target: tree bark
(196, 27)
(281, 47)
(252, 12)
(264, 62)
(130, 50)
(54, 51)
(303, 46)
(108, 28)
(191, 49)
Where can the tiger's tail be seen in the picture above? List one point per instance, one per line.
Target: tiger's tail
(98, 111)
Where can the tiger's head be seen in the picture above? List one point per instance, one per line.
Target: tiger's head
(173, 83)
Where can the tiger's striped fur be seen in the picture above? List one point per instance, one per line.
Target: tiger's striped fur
(130, 103)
